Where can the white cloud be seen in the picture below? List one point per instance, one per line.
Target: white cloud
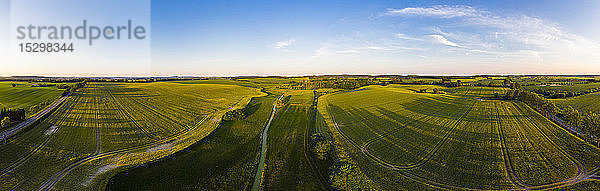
(351, 51)
(373, 48)
(519, 37)
(283, 44)
(403, 36)
(443, 11)
(443, 40)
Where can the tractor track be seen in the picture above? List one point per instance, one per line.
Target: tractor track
(127, 115)
(24, 159)
(322, 180)
(581, 175)
(49, 184)
(405, 172)
(417, 164)
(365, 147)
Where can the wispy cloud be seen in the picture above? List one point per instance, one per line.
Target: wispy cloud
(483, 31)
(441, 39)
(443, 11)
(405, 37)
(284, 44)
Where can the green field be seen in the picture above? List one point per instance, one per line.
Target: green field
(24, 96)
(223, 161)
(583, 103)
(114, 120)
(290, 164)
(455, 141)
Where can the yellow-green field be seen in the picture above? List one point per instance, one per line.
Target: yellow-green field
(458, 140)
(127, 123)
(24, 96)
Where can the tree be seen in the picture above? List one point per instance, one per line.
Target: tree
(235, 114)
(5, 122)
(322, 145)
(590, 124)
(573, 116)
(34, 109)
(321, 149)
(14, 85)
(507, 81)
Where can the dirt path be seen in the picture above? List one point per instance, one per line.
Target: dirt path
(263, 151)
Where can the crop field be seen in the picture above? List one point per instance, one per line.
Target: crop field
(458, 140)
(289, 163)
(108, 118)
(24, 96)
(223, 161)
(582, 103)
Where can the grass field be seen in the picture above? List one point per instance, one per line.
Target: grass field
(583, 103)
(290, 165)
(112, 118)
(456, 140)
(24, 96)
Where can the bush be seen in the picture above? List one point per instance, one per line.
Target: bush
(5, 122)
(235, 114)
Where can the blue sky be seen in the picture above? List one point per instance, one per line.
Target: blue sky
(213, 38)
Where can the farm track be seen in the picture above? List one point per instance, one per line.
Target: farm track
(263, 152)
(59, 175)
(24, 159)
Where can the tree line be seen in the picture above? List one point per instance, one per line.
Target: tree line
(335, 83)
(564, 94)
(10, 115)
(235, 114)
(72, 87)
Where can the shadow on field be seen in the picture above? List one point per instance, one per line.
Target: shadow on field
(224, 160)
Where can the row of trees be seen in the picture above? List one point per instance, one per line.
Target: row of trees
(587, 123)
(13, 114)
(564, 94)
(10, 115)
(72, 87)
(434, 91)
(336, 83)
